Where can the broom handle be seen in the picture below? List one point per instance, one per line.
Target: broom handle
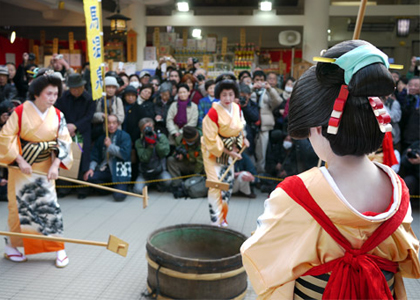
(359, 21)
(231, 165)
(53, 238)
(79, 182)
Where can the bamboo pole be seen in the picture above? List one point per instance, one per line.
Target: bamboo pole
(144, 196)
(359, 21)
(114, 244)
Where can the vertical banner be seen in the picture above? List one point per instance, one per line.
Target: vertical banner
(71, 41)
(243, 37)
(94, 36)
(55, 45)
(132, 46)
(224, 45)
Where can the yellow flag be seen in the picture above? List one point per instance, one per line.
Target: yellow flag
(95, 44)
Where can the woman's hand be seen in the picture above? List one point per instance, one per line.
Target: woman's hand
(246, 142)
(234, 155)
(24, 167)
(52, 173)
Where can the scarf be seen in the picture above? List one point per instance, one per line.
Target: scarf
(181, 115)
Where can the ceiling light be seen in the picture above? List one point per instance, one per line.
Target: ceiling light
(403, 27)
(196, 33)
(183, 6)
(266, 5)
(12, 37)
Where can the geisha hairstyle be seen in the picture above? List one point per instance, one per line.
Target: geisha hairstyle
(43, 79)
(314, 95)
(226, 84)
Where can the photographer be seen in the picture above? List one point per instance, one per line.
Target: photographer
(267, 99)
(187, 158)
(59, 64)
(251, 115)
(22, 78)
(410, 163)
(409, 123)
(152, 149)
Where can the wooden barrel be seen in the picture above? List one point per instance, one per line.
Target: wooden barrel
(194, 261)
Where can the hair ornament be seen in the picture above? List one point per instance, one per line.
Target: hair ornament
(338, 109)
(382, 116)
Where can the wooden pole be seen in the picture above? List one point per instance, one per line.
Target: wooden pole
(86, 183)
(114, 244)
(359, 22)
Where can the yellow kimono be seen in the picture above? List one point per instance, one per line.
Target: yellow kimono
(288, 241)
(33, 206)
(218, 124)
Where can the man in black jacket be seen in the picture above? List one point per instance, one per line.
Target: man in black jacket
(7, 91)
(251, 114)
(78, 108)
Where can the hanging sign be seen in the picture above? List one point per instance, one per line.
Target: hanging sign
(71, 41)
(42, 38)
(55, 45)
(184, 37)
(224, 45)
(243, 37)
(132, 46)
(156, 37)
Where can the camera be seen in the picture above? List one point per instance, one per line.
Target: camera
(242, 100)
(200, 77)
(59, 56)
(31, 57)
(148, 131)
(412, 153)
(181, 150)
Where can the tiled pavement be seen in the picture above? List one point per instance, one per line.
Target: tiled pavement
(96, 273)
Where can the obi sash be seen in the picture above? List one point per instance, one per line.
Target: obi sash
(356, 275)
(228, 142)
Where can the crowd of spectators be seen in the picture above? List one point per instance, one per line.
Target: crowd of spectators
(154, 125)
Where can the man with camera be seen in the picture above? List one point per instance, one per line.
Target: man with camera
(187, 158)
(267, 99)
(59, 64)
(410, 163)
(251, 114)
(410, 120)
(152, 149)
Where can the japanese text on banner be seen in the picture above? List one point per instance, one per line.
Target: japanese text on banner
(95, 44)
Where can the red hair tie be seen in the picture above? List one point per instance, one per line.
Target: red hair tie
(338, 109)
(383, 118)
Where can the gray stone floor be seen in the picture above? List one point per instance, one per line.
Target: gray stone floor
(96, 273)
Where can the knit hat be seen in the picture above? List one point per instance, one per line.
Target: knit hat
(189, 134)
(130, 90)
(165, 87)
(110, 80)
(4, 71)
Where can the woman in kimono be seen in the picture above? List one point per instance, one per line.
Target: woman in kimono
(36, 138)
(342, 232)
(222, 139)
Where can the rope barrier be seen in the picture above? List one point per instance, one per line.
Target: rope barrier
(175, 178)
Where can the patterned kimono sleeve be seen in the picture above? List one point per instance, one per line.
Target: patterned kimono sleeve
(212, 140)
(9, 141)
(64, 142)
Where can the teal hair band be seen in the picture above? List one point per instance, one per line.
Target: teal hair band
(358, 58)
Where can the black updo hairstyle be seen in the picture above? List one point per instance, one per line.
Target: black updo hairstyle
(147, 86)
(314, 95)
(226, 84)
(43, 80)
